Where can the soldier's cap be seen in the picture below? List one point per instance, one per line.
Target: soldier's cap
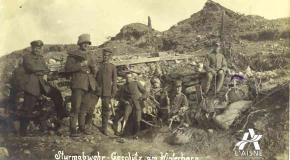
(178, 83)
(129, 71)
(107, 51)
(125, 73)
(36, 43)
(84, 38)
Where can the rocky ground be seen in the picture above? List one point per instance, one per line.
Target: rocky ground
(255, 47)
(268, 118)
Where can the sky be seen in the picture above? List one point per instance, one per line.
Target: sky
(62, 21)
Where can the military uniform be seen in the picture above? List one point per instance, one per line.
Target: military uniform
(131, 94)
(34, 85)
(17, 82)
(92, 102)
(106, 88)
(160, 95)
(177, 102)
(215, 65)
(179, 105)
(83, 83)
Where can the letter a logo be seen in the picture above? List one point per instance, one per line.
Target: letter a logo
(254, 139)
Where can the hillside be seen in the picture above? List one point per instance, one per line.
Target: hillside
(215, 21)
(255, 48)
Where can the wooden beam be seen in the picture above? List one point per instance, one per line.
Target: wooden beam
(153, 59)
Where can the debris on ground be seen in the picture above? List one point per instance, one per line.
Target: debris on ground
(256, 49)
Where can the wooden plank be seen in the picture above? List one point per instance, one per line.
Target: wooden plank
(153, 59)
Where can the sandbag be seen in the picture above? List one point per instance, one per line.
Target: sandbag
(234, 110)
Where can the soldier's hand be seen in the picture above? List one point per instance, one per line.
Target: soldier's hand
(126, 102)
(221, 71)
(53, 84)
(213, 72)
(183, 109)
(45, 77)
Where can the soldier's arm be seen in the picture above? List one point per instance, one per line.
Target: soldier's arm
(72, 65)
(184, 102)
(121, 95)
(93, 65)
(45, 67)
(224, 64)
(167, 98)
(206, 63)
(141, 88)
(114, 80)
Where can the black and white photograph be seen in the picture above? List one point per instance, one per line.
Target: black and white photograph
(144, 79)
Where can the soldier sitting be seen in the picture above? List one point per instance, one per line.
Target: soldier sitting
(160, 97)
(215, 65)
(130, 96)
(179, 105)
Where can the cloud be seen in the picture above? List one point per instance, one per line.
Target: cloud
(61, 21)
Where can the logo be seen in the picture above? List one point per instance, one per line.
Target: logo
(254, 140)
(248, 139)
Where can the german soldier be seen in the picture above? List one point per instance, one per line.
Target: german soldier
(36, 84)
(215, 65)
(82, 68)
(160, 96)
(106, 86)
(179, 104)
(131, 95)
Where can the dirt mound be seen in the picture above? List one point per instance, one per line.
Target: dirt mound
(134, 38)
(215, 21)
(132, 32)
(269, 115)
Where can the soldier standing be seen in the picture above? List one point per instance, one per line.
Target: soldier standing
(106, 86)
(215, 65)
(82, 68)
(35, 84)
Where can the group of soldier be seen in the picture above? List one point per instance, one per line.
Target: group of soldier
(91, 81)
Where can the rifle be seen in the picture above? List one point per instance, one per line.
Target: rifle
(112, 104)
(177, 115)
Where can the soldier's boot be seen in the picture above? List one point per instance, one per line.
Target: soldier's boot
(89, 122)
(89, 119)
(74, 132)
(85, 131)
(137, 127)
(23, 126)
(123, 127)
(105, 119)
(220, 81)
(138, 119)
(73, 125)
(82, 120)
(207, 84)
(136, 130)
(115, 127)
